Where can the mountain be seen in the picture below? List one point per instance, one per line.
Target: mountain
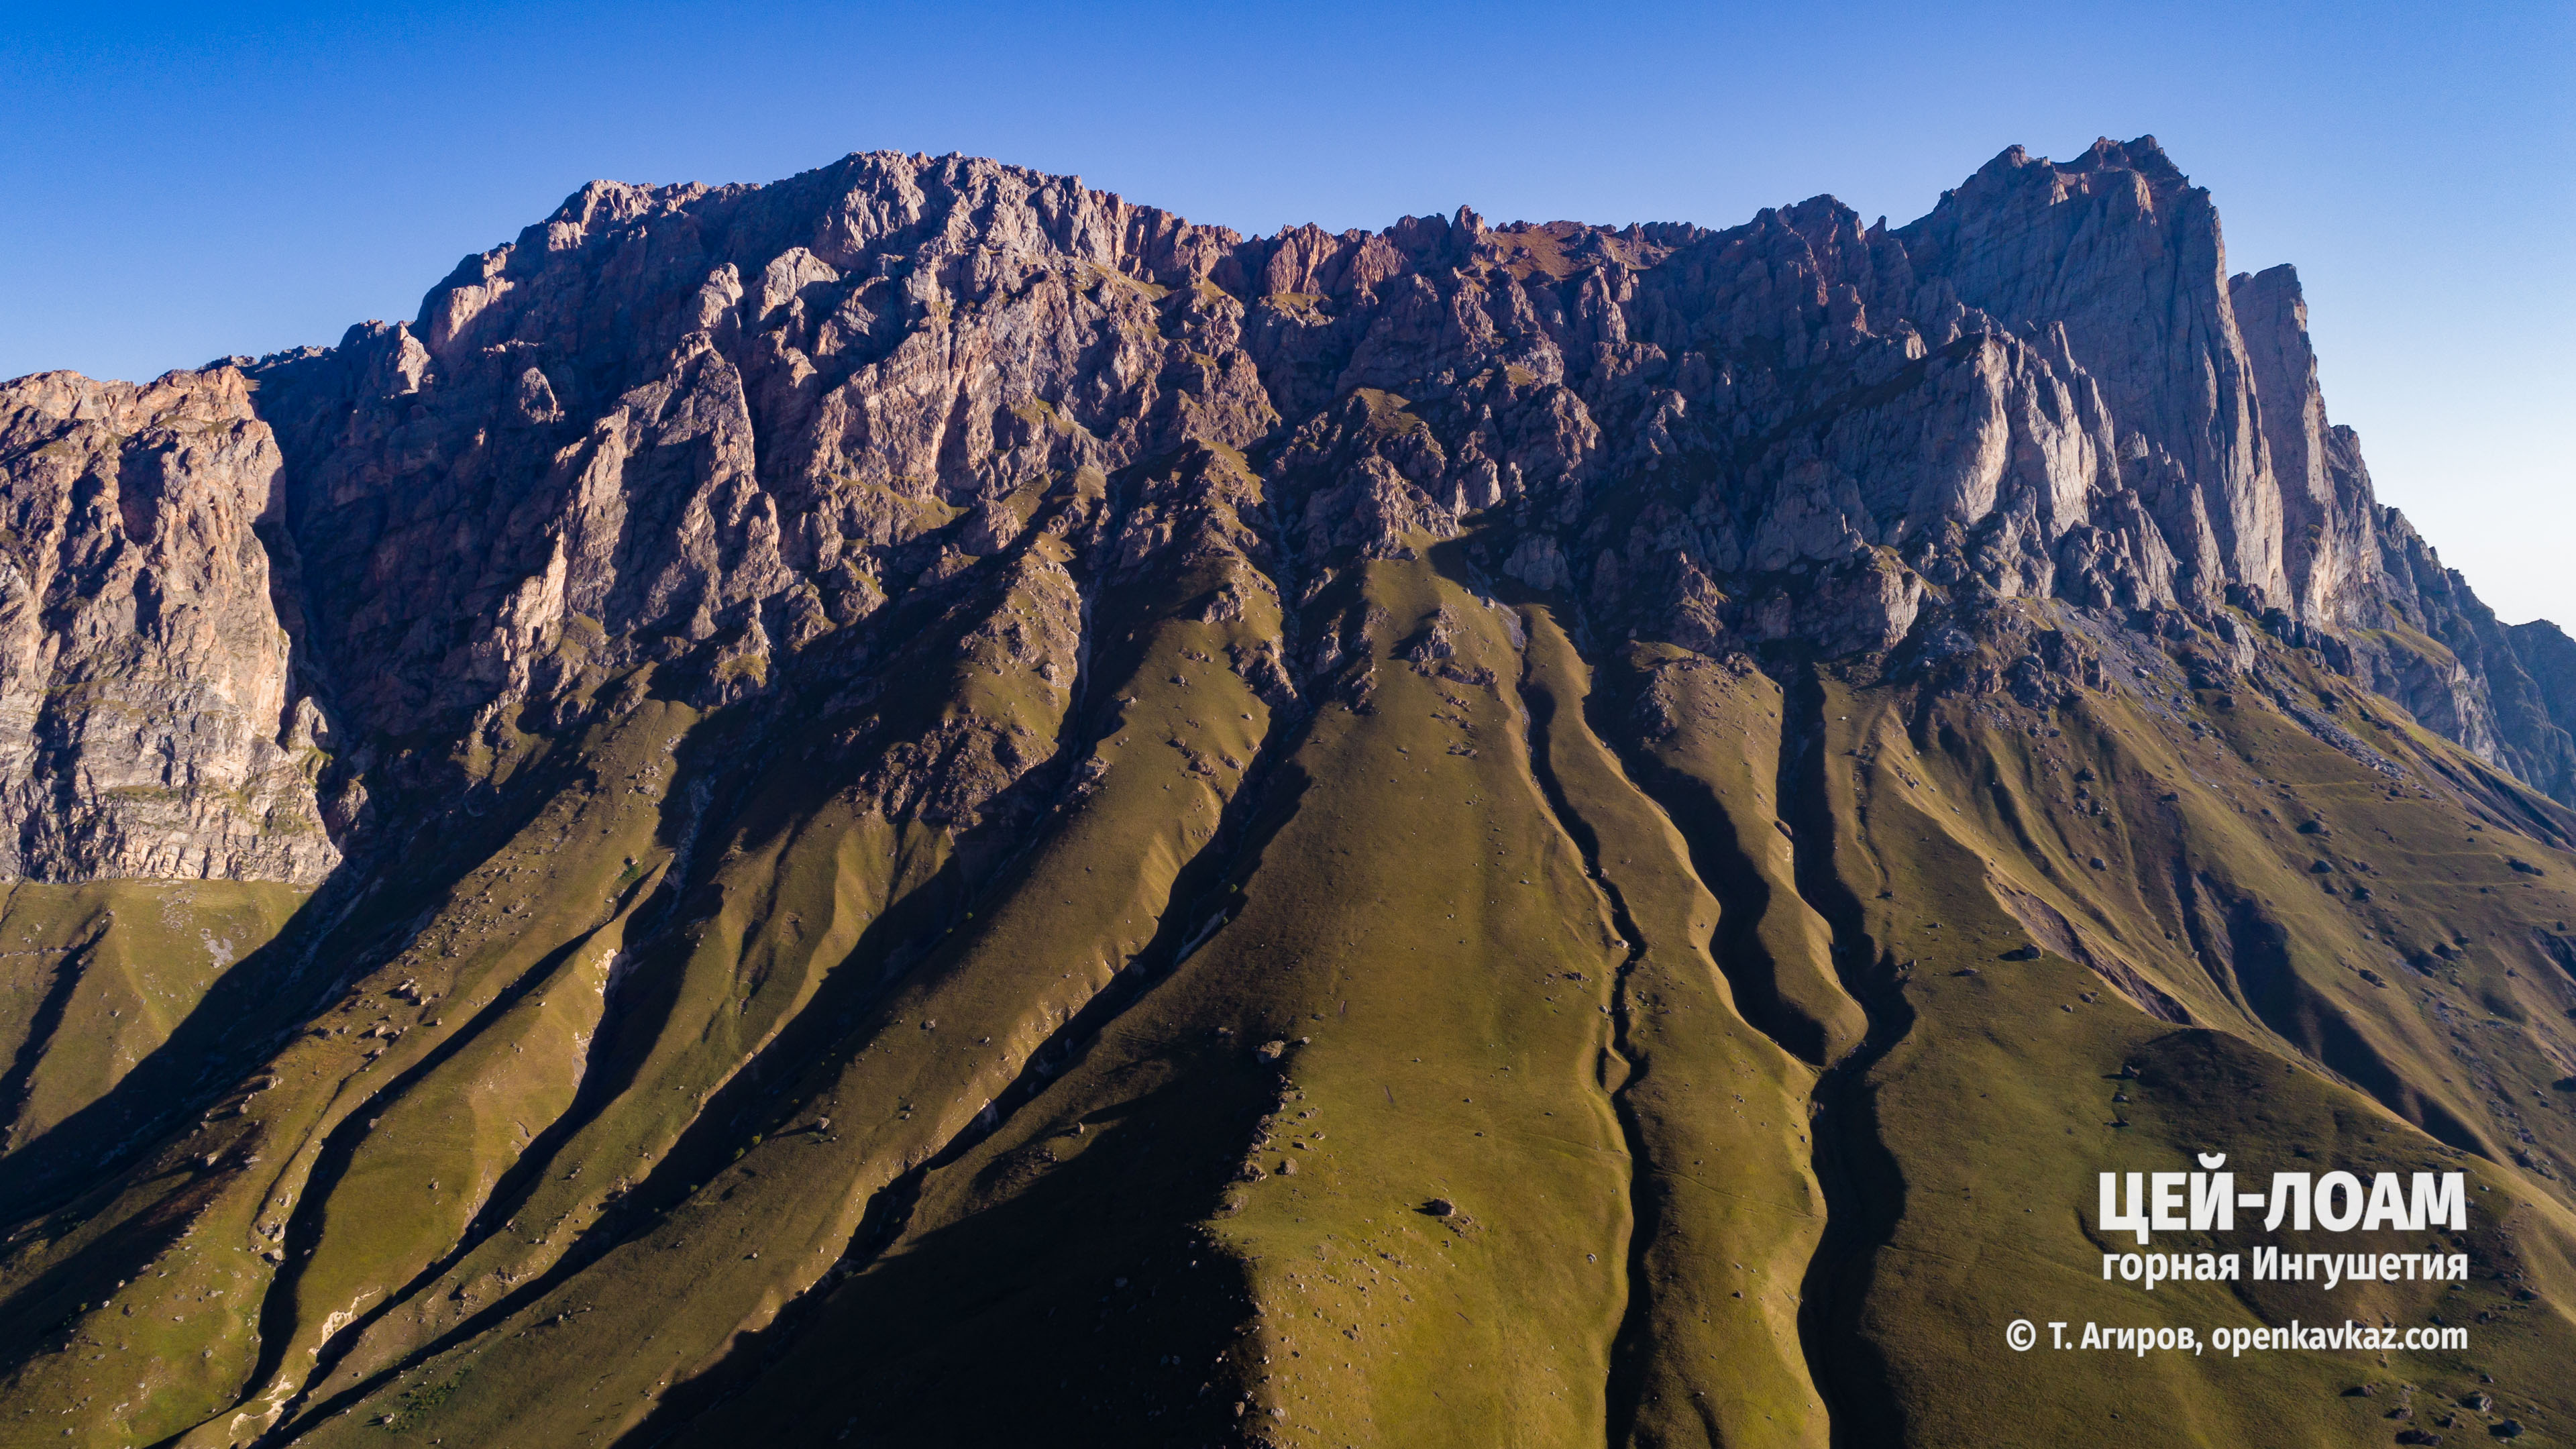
(921, 806)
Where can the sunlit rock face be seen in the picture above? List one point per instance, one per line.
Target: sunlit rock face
(153, 721)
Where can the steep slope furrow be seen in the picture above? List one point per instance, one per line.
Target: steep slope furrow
(1744, 898)
(605, 1073)
(700, 1146)
(518, 1181)
(854, 1051)
(1621, 1068)
(357, 922)
(624, 1069)
(1194, 908)
(17, 1084)
(1864, 1188)
(2207, 946)
(1721, 1199)
(147, 1106)
(279, 1320)
(1701, 740)
(1621, 1074)
(2259, 950)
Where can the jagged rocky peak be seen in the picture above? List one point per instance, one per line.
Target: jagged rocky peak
(702, 428)
(819, 313)
(152, 721)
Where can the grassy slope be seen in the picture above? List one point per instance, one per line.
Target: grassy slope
(1425, 923)
(890, 1131)
(1704, 738)
(1997, 1107)
(498, 997)
(1335, 941)
(1716, 1115)
(903, 1079)
(94, 978)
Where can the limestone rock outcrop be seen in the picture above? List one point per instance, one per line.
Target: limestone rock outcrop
(152, 722)
(698, 427)
(668, 421)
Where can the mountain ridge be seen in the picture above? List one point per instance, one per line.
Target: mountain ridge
(2481, 697)
(823, 822)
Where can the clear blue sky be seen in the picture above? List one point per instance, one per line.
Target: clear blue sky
(187, 181)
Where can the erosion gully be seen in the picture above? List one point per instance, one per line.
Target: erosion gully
(1862, 1184)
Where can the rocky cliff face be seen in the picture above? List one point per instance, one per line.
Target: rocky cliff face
(698, 426)
(151, 719)
(705, 425)
(929, 785)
